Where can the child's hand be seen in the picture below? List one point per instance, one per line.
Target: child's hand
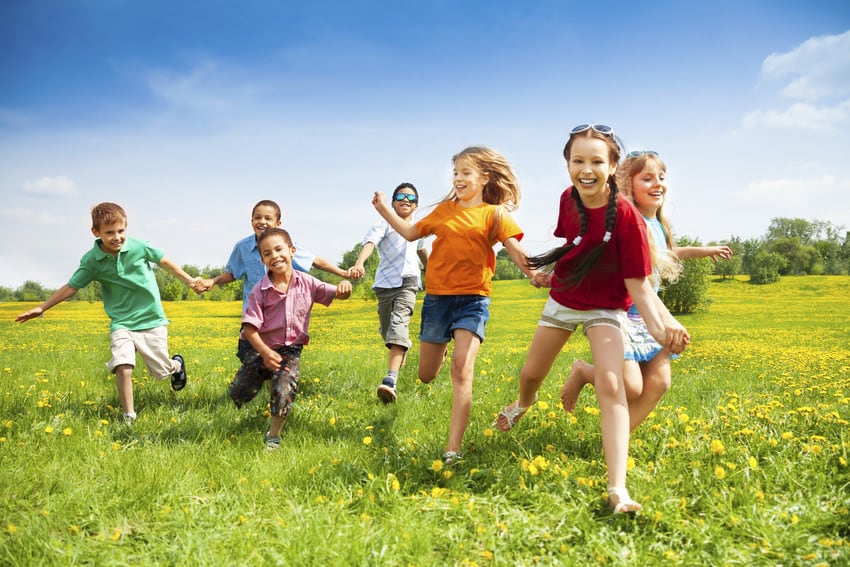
(541, 279)
(723, 252)
(31, 314)
(380, 202)
(200, 285)
(677, 337)
(356, 272)
(343, 289)
(272, 360)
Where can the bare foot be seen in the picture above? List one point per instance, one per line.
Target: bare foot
(579, 372)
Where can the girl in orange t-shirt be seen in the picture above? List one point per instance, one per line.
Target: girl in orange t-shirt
(466, 224)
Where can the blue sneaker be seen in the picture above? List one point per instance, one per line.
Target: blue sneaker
(386, 391)
(272, 443)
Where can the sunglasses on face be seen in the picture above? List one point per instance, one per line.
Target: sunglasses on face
(399, 197)
(638, 153)
(599, 128)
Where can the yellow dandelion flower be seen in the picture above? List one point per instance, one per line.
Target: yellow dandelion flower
(365, 518)
(630, 464)
(98, 433)
(67, 431)
(437, 465)
(787, 435)
(48, 429)
(332, 421)
(447, 474)
(488, 432)
(591, 410)
(395, 486)
(11, 529)
(754, 464)
(843, 461)
(719, 472)
(717, 447)
(367, 440)
(8, 424)
(116, 535)
(543, 405)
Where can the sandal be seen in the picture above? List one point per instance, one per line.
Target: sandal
(451, 457)
(512, 414)
(621, 502)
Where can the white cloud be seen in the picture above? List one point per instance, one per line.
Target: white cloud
(802, 115)
(61, 186)
(40, 218)
(794, 191)
(818, 68)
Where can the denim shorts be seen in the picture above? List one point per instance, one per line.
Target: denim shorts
(442, 314)
(560, 317)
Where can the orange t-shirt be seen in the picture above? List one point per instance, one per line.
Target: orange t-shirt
(462, 260)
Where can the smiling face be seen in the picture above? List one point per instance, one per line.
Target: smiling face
(263, 217)
(469, 182)
(406, 207)
(112, 234)
(649, 187)
(277, 253)
(590, 166)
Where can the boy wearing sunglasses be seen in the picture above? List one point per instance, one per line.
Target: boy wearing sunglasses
(396, 283)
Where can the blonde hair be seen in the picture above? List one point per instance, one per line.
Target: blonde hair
(502, 188)
(667, 267)
(106, 213)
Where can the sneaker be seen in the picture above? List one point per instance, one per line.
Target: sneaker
(451, 458)
(129, 418)
(272, 443)
(178, 379)
(386, 391)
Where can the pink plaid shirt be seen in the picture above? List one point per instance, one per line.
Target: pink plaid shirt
(283, 318)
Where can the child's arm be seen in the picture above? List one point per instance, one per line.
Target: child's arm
(343, 290)
(519, 257)
(57, 297)
(205, 284)
(359, 267)
(713, 252)
(406, 229)
(331, 268)
(423, 257)
(661, 325)
(172, 267)
(271, 358)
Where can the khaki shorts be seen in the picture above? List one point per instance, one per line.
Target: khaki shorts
(560, 317)
(152, 346)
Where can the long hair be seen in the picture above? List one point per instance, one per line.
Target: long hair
(666, 267)
(502, 188)
(547, 260)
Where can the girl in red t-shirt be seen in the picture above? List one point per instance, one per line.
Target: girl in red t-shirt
(605, 259)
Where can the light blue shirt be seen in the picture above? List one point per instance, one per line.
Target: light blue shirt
(658, 241)
(246, 264)
(398, 256)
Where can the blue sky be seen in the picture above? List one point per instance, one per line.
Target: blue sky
(187, 113)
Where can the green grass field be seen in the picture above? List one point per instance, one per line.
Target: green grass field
(745, 462)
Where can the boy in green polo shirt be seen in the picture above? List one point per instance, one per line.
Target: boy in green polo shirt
(130, 298)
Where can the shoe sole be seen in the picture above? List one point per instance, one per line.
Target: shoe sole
(176, 384)
(386, 394)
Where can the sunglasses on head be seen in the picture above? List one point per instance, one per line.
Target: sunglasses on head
(411, 198)
(599, 128)
(638, 153)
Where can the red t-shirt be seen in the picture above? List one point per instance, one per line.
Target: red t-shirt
(626, 255)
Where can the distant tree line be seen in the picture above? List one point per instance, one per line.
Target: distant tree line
(790, 247)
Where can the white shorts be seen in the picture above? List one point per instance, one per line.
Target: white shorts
(560, 317)
(152, 346)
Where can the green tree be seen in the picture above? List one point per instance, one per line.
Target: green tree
(32, 291)
(690, 292)
(92, 292)
(505, 267)
(766, 267)
(7, 294)
(800, 259)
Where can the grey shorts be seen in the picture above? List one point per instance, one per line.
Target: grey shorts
(560, 317)
(395, 307)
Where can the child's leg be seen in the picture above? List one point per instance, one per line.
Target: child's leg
(396, 357)
(284, 387)
(606, 345)
(431, 357)
(124, 383)
(582, 373)
(656, 381)
(465, 352)
(545, 347)
(248, 380)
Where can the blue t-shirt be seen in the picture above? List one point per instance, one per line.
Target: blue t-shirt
(246, 264)
(658, 241)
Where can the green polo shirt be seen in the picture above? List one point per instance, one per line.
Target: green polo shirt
(130, 294)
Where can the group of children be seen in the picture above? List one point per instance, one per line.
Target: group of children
(618, 247)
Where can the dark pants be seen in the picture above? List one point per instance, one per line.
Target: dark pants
(284, 381)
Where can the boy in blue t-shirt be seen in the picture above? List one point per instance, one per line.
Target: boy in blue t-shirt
(245, 263)
(130, 298)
